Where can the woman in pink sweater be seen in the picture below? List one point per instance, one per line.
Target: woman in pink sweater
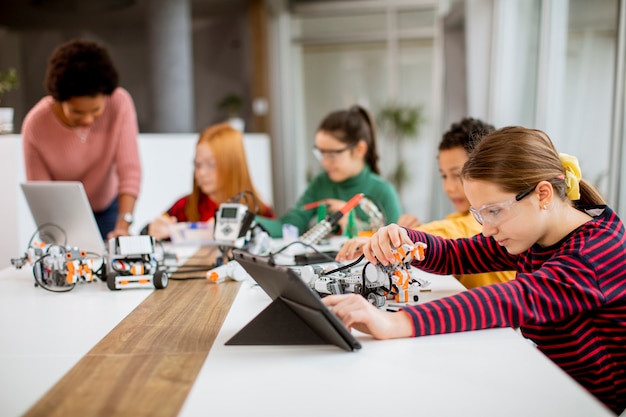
(86, 130)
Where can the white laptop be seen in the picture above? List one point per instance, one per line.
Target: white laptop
(62, 214)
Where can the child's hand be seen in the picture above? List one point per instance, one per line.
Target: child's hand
(358, 313)
(334, 205)
(379, 248)
(409, 221)
(160, 227)
(352, 249)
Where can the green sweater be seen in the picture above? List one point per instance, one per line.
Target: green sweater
(372, 185)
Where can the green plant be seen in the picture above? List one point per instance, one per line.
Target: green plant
(399, 123)
(8, 81)
(231, 104)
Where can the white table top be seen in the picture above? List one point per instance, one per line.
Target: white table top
(493, 372)
(44, 334)
(483, 373)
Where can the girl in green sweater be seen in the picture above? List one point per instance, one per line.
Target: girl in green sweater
(345, 145)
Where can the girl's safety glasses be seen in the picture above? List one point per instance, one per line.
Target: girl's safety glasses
(495, 214)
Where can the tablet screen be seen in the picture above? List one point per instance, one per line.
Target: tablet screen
(291, 295)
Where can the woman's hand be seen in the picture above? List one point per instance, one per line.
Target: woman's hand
(358, 313)
(160, 227)
(379, 248)
(118, 231)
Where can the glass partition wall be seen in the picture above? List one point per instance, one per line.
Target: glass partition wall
(557, 65)
(552, 66)
(576, 103)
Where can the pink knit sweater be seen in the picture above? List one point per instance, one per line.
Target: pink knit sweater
(104, 156)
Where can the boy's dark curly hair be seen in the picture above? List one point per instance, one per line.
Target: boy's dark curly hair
(80, 68)
(465, 133)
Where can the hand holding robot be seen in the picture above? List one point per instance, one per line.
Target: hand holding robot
(376, 282)
(380, 248)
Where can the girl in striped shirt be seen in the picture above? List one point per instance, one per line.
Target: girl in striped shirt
(542, 220)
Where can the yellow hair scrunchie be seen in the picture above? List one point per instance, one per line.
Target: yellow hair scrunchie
(572, 175)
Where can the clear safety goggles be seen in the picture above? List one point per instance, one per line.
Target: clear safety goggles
(495, 214)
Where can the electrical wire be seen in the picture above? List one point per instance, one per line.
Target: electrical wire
(189, 270)
(43, 226)
(243, 195)
(38, 282)
(322, 254)
(346, 266)
(173, 278)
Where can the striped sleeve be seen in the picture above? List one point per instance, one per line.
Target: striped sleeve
(462, 256)
(570, 299)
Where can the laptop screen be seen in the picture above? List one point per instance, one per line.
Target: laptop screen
(62, 214)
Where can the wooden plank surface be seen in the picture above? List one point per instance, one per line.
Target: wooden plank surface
(148, 363)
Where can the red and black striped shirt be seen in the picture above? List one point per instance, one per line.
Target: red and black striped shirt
(570, 299)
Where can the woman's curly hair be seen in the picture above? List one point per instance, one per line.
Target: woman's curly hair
(80, 68)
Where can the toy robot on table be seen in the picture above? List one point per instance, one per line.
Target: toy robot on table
(57, 268)
(235, 227)
(377, 283)
(132, 264)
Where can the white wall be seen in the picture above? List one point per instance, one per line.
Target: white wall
(16, 224)
(167, 164)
